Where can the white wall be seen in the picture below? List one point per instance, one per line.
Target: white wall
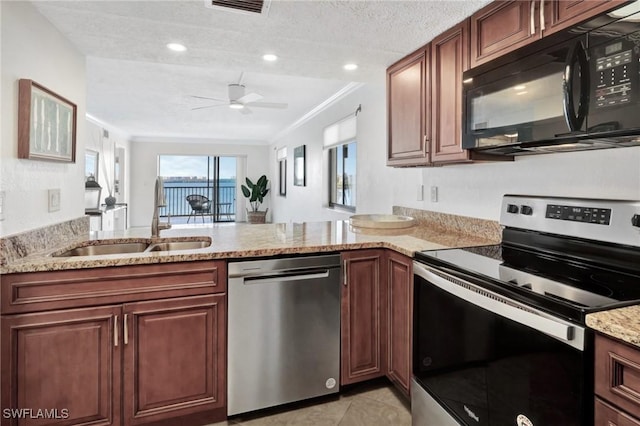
(470, 189)
(106, 150)
(378, 187)
(32, 48)
(144, 170)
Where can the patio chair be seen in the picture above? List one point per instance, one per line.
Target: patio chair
(200, 205)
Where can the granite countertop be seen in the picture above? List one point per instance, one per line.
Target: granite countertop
(243, 240)
(621, 323)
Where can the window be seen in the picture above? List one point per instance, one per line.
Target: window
(340, 141)
(342, 169)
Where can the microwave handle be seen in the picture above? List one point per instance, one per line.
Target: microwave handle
(578, 55)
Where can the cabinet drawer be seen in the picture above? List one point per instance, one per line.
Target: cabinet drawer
(40, 291)
(617, 375)
(606, 415)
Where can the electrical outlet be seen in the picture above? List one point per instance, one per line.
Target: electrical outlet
(434, 194)
(420, 194)
(54, 199)
(2, 198)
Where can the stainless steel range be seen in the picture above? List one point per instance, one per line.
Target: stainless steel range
(499, 331)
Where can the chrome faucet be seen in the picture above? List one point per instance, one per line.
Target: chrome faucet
(159, 200)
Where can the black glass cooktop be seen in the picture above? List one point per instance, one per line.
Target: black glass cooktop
(560, 283)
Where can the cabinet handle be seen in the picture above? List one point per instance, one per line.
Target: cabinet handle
(344, 273)
(542, 26)
(533, 17)
(115, 331)
(126, 330)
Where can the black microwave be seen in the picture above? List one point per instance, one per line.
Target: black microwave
(575, 90)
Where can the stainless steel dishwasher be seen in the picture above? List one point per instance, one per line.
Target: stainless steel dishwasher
(284, 331)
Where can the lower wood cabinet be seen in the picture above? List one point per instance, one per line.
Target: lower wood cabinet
(377, 295)
(156, 361)
(617, 383)
(400, 281)
(174, 357)
(66, 362)
(363, 316)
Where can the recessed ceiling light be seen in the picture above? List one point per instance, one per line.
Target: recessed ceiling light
(351, 67)
(270, 57)
(176, 47)
(236, 105)
(519, 87)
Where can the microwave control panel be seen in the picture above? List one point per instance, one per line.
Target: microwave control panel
(615, 68)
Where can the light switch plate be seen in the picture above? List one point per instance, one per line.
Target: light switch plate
(54, 199)
(420, 195)
(434, 194)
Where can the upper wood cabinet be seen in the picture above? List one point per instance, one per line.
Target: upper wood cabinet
(408, 101)
(506, 25)
(561, 14)
(449, 59)
(501, 27)
(424, 101)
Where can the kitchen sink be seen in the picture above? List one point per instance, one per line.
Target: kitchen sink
(179, 245)
(101, 247)
(106, 248)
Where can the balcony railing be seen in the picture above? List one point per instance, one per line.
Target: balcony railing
(223, 207)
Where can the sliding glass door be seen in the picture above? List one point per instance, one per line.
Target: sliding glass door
(199, 189)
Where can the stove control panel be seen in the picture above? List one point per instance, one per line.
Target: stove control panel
(579, 214)
(611, 221)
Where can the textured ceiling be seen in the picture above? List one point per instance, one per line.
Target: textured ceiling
(138, 85)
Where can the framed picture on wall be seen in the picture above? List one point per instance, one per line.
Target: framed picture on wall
(46, 124)
(299, 178)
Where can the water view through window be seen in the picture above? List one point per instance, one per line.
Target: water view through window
(200, 189)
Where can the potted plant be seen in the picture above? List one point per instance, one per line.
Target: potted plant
(256, 193)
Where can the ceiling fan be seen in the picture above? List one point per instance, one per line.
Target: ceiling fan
(239, 100)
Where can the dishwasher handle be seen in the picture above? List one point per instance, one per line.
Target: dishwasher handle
(279, 277)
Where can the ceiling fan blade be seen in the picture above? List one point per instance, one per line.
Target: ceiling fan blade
(249, 98)
(269, 105)
(207, 106)
(211, 99)
(245, 111)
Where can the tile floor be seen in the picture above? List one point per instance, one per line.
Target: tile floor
(370, 404)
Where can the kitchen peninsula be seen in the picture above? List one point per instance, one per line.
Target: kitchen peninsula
(122, 310)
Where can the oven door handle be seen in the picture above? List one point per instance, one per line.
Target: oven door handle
(502, 306)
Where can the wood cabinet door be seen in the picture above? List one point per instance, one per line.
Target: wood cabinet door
(607, 415)
(502, 27)
(65, 362)
(561, 14)
(449, 59)
(407, 107)
(400, 279)
(174, 358)
(617, 374)
(363, 322)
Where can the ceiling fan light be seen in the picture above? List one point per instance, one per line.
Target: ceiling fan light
(176, 47)
(236, 105)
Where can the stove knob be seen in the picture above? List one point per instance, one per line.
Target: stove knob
(526, 210)
(635, 220)
(512, 208)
